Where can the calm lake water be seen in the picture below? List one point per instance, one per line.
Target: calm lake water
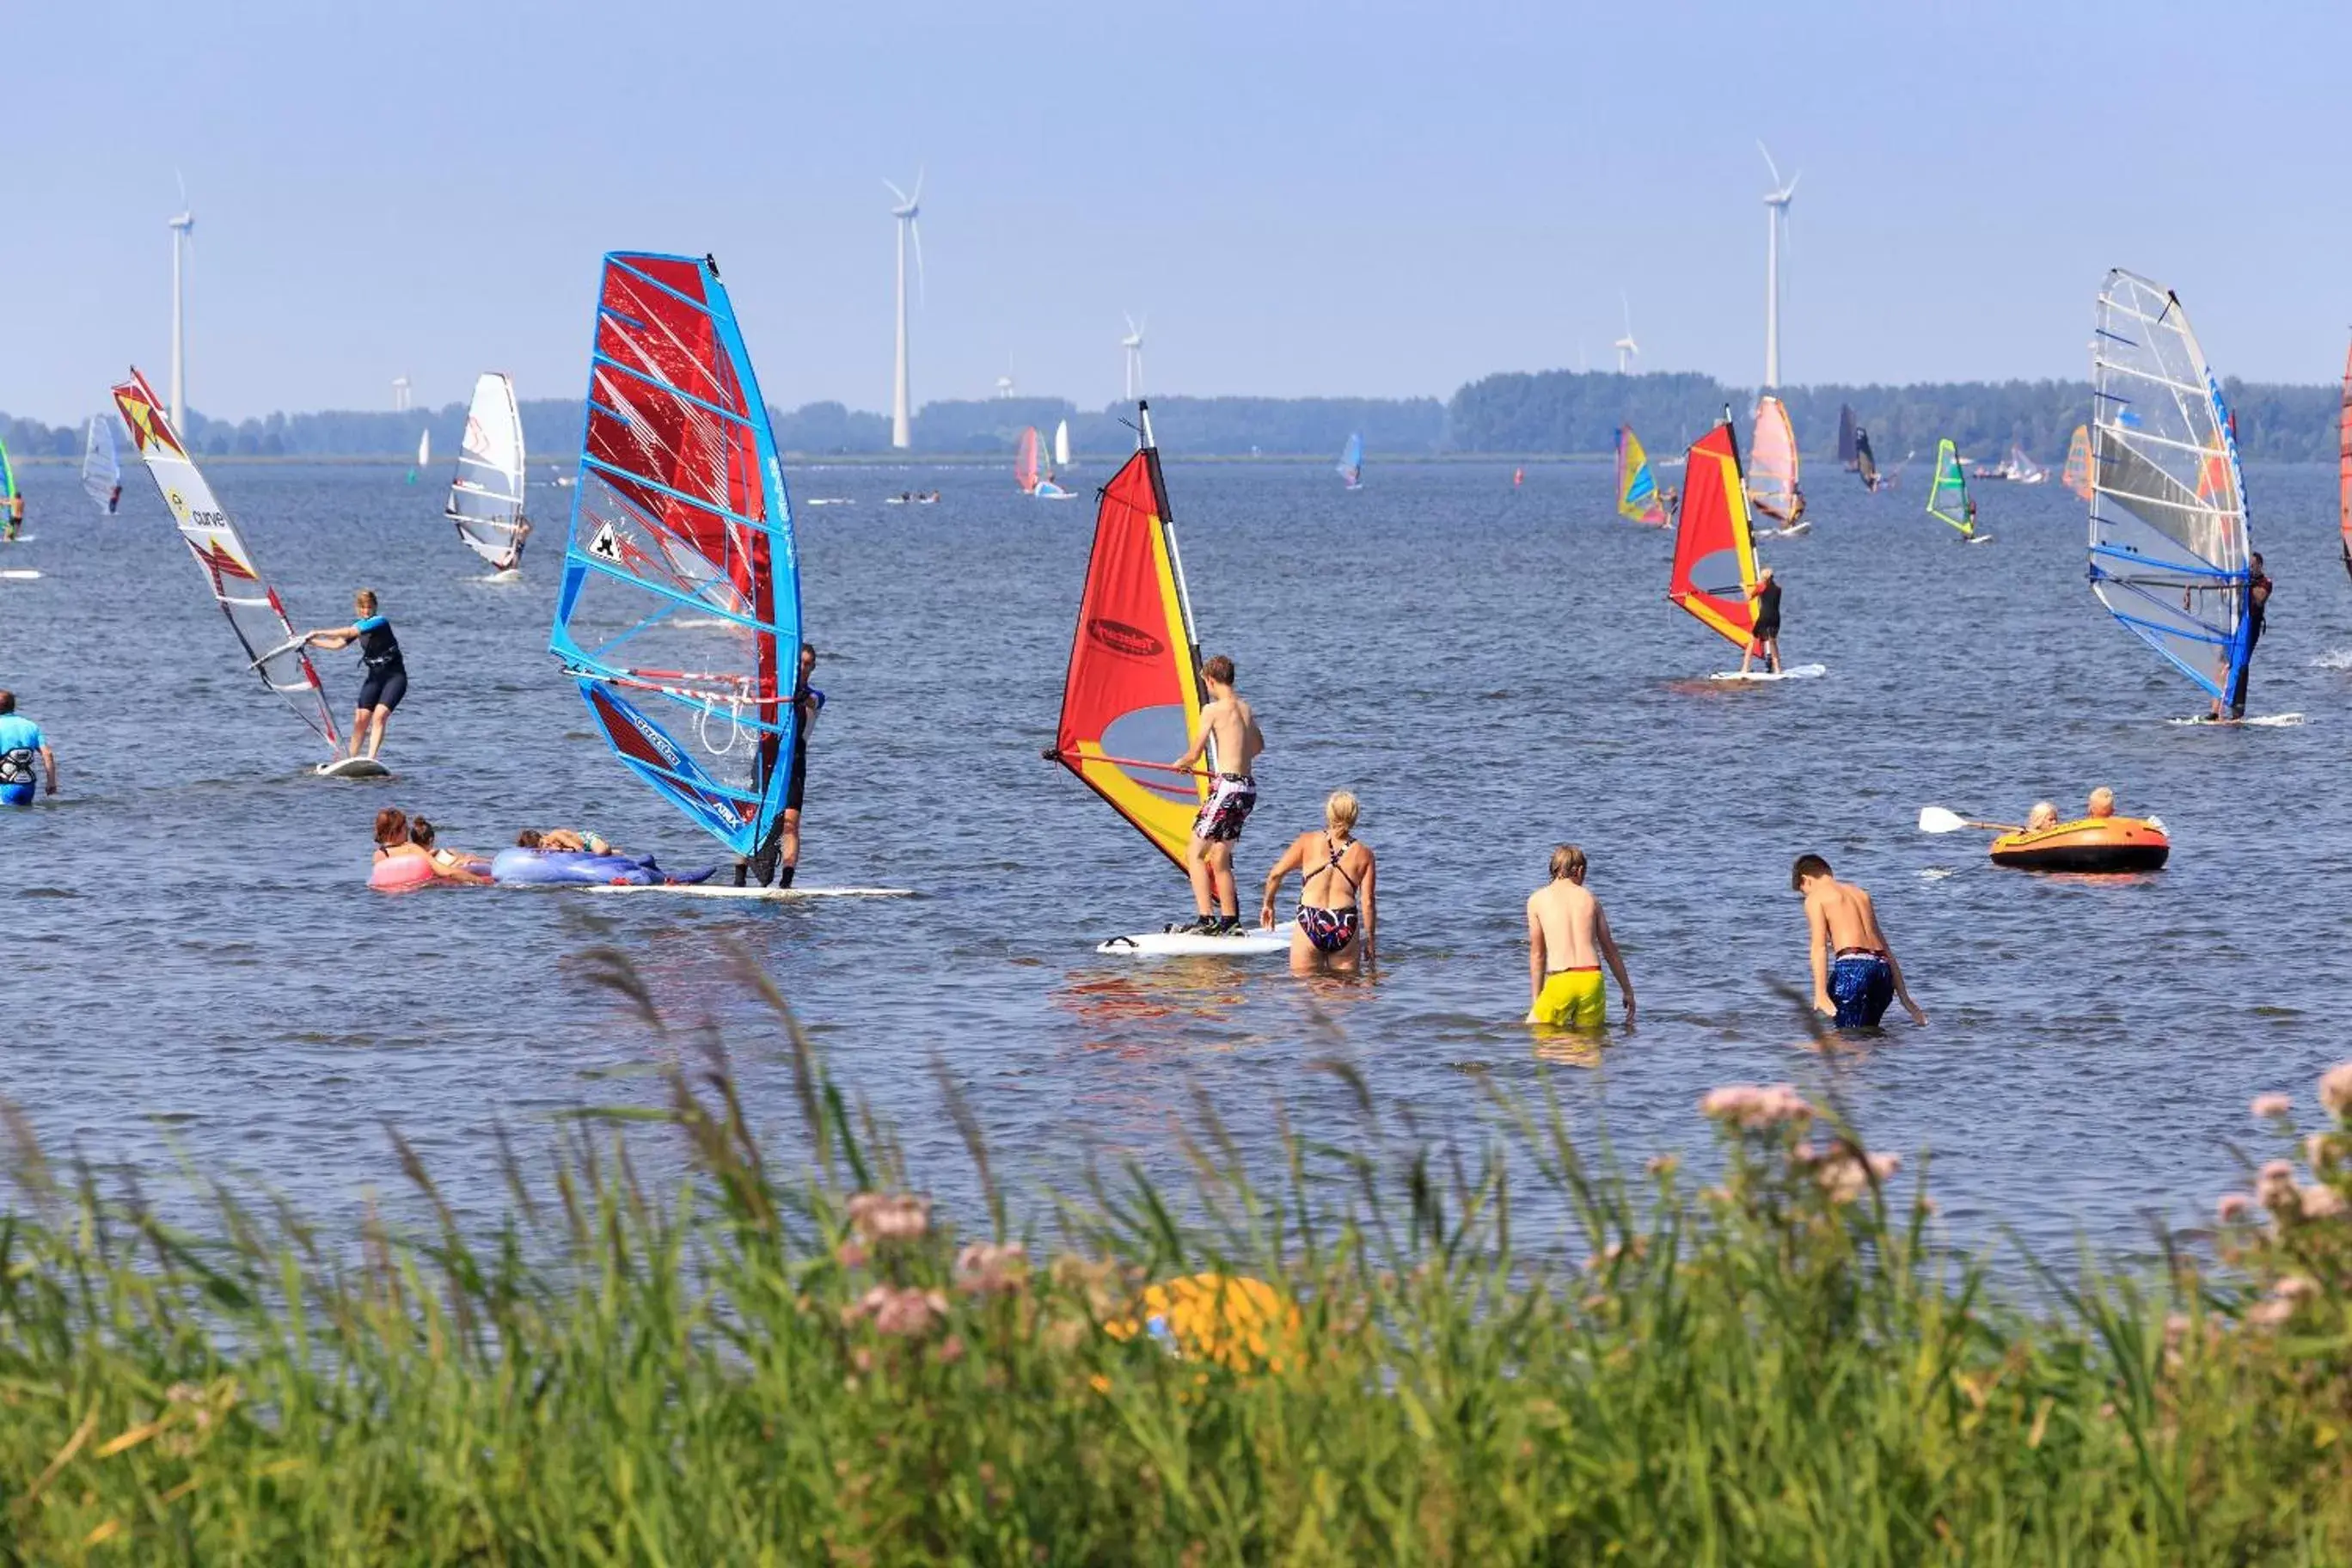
(195, 965)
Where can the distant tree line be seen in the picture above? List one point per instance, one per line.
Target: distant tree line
(1547, 412)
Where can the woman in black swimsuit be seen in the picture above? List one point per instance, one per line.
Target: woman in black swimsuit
(386, 681)
(1337, 925)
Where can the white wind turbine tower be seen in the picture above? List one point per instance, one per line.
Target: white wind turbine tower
(901, 426)
(1132, 345)
(1627, 349)
(182, 224)
(1776, 228)
(399, 394)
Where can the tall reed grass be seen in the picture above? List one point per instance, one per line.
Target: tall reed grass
(1359, 1356)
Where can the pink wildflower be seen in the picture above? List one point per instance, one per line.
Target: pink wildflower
(2318, 1152)
(2321, 1203)
(850, 1254)
(2295, 1287)
(2335, 1090)
(2231, 1208)
(1663, 1164)
(985, 1268)
(2276, 1186)
(2264, 1106)
(2270, 1314)
(890, 1217)
(1752, 1108)
(906, 1313)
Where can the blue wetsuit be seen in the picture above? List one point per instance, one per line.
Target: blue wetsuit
(20, 759)
(387, 678)
(1861, 984)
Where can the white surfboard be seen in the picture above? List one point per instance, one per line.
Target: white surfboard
(1980, 539)
(1794, 530)
(511, 574)
(1254, 941)
(759, 895)
(2258, 720)
(353, 768)
(20, 574)
(1794, 672)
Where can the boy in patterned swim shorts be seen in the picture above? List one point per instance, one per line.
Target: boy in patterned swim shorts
(1231, 741)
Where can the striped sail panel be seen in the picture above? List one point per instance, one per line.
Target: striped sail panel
(1132, 697)
(102, 470)
(680, 611)
(1637, 488)
(2077, 473)
(486, 496)
(1772, 462)
(1715, 554)
(245, 596)
(2171, 547)
(1948, 491)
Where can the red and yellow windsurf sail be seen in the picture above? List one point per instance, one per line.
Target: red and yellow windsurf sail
(2344, 464)
(1715, 557)
(1132, 698)
(2077, 477)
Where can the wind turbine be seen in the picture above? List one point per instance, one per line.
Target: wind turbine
(1132, 345)
(901, 430)
(1627, 349)
(1776, 225)
(182, 224)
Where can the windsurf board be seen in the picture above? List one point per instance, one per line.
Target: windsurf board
(1794, 672)
(1252, 943)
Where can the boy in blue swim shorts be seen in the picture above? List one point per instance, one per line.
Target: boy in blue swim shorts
(1855, 975)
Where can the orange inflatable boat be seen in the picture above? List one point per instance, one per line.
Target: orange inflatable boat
(2089, 844)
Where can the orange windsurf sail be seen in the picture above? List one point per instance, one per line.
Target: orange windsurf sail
(1714, 559)
(1025, 462)
(2077, 477)
(1132, 697)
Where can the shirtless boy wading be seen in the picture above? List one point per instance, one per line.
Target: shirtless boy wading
(1855, 975)
(1229, 734)
(1568, 938)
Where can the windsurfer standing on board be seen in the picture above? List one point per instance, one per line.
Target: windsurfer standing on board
(1766, 641)
(780, 858)
(2257, 602)
(1855, 975)
(512, 556)
(387, 677)
(1229, 733)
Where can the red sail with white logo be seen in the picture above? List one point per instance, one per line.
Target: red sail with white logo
(1132, 698)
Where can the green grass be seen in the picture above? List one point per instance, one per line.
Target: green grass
(762, 1366)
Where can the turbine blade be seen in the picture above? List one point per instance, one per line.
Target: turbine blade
(919, 182)
(1769, 165)
(895, 191)
(1792, 183)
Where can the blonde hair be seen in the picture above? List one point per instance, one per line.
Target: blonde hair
(365, 600)
(1567, 861)
(1339, 811)
(2043, 815)
(2103, 802)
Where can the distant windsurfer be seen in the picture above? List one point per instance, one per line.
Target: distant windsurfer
(1765, 642)
(1970, 531)
(2256, 604)
(22, 744)
(114, 500)
(1855, 975)
(1670, 497)
(780, 858)
(511, 558)
(16, 517)
(1229, 734)
(1337, 927)
(1568, 941)
(387, 677)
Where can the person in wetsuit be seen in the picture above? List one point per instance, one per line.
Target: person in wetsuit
(779, 858)
(2257, 603)
(1337, 922)
(22, 745)
(1766, 642)
(386, 681)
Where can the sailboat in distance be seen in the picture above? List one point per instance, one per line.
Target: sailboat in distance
(1948, 495)
(1062, 445)
(101, 471)
(1352, 463)
(1715, 548)
(2077, 475)
(485, 495)
(1131, 699)
(1866, 461)
(1773, 474)
(1637, 488)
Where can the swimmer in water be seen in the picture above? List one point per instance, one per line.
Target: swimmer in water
(1855, 975)
(1338, 923)
(563, 839)
(387, 675)
(393, 841)
(1568, 941)
(450, 865)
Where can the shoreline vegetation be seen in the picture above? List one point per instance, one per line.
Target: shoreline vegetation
(1360, 1351)
(1539, 416)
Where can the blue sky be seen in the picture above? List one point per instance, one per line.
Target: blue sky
(1376, 198)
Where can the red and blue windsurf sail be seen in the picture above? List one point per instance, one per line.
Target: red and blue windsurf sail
(679, 615)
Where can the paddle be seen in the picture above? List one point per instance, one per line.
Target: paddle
(1936, 819)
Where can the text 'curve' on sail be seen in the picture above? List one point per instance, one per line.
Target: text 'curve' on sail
(1132, 697)
(2170, 550)
(247, 598)
(1714, 555)
(680, 611)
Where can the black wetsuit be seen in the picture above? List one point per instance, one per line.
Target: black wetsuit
(807, 702)
(1768, 611)
(2257, 590)
(386, 681)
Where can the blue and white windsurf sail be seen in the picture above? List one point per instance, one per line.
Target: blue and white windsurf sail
(101, 471)
(679, 613)
(1352, 463)
(2170, 550)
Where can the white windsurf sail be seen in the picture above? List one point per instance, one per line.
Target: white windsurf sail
(486, 497)
(1062, 445)
(101, 473)
(425, 448)
(2170, 550)
(251, 604)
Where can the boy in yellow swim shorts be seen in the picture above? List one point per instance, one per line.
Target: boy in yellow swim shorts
(1568, 941)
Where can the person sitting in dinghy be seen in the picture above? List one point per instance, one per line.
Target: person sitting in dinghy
(2043, 815)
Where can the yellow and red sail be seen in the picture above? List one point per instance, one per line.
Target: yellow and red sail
(1132, 697)
(2077, 477)
(1714, 555)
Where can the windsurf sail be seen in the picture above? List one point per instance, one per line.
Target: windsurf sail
(1637, 488)
(1132, 697)
(1024, 462)
(2077, 475)
(1714, 555)
(486, 497)
(1351, 462)
(1866, 461)
(1772, 465)
(2344, 464)
(1849, 437)
(1062, 445)
(425, 448)
(1947, 492)
(102, 472)
(7, 477)
(251, 604)
(2023, 469)
(2170, 550)
(679, 612)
